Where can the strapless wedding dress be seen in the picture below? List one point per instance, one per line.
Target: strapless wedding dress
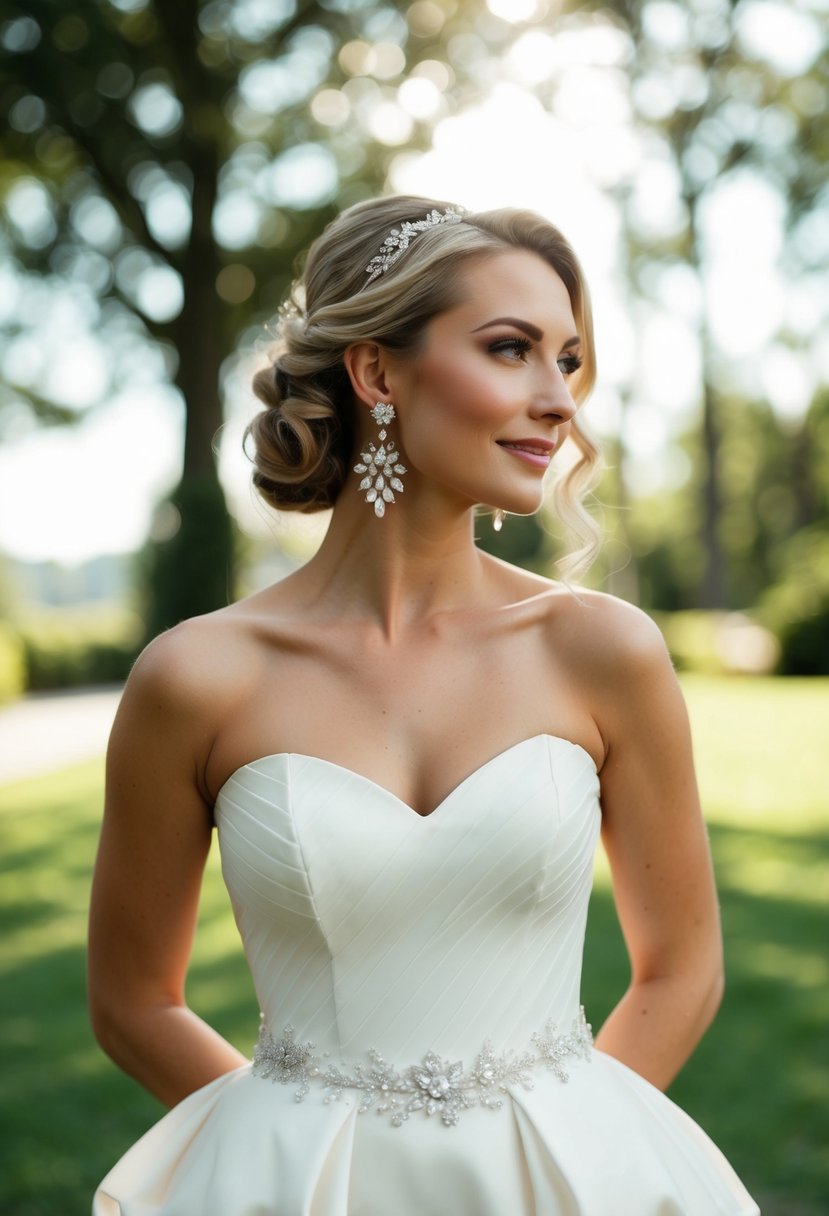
(422, 1051)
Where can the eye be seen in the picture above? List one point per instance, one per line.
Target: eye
(569, 363)
(516, 348)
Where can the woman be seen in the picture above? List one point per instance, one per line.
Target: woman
(402, 746)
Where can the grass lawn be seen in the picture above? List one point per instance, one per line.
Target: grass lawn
(759, 1083)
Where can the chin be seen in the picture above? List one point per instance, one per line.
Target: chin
(520, 506)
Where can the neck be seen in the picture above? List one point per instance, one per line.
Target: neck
(420, 559)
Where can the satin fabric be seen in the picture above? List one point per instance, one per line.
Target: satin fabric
(368, 926)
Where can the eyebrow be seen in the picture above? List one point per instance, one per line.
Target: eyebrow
(532, 331)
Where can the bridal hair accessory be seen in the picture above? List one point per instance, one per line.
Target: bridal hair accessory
(397, 242)
(380, 466)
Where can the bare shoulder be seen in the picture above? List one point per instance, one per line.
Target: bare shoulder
(605, 635)
(199, 659)
(182, 687)
(619, 665)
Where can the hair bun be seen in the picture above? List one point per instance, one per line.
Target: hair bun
(298, 453)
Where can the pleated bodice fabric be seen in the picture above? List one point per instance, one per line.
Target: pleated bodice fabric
(371, 928)
(369, 925)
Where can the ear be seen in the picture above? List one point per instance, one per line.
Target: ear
(367, 365)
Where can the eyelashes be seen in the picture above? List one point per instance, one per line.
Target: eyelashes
(570, 364)
(518, 348)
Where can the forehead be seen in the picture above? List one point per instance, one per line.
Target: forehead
(515, 283)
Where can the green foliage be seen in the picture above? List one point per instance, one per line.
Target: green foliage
(9, 589)
(138, 128)
(665, 539)
(804, 648)
(718, 643)
(691, 638)
(796, 607)
(12, 664)
(180, 143)
(721, 93)
(191, 569)
(522, 540)
(771, 495)
(68, 648)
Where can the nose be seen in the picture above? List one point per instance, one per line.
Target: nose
(552, 399)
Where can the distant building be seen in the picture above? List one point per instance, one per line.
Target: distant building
(107, 578)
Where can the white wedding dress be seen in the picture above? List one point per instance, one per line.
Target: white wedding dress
(387, 949)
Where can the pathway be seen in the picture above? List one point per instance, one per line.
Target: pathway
(47, 731)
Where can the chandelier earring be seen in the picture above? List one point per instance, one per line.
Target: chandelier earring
(380, 467)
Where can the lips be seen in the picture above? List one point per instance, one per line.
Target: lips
(535, 452)
(538, 447)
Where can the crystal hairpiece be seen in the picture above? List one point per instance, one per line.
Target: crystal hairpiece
(397, 242)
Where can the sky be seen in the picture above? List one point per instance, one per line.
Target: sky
(72, 493)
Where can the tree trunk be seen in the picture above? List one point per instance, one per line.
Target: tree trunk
(624, 579)
(199, 330)
(711, 592)
(802, 481)
(191, 571)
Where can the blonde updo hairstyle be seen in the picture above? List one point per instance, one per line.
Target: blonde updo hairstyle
(304, 440)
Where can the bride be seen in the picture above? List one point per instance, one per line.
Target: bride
(408, 748)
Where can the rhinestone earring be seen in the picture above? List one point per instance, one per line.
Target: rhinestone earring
(380, 466)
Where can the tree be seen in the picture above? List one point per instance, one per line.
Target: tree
(178, 156)
(713, 98)
(762, 520)
(171, 159)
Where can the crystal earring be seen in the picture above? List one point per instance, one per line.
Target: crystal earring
(498, 520)
(380, 465)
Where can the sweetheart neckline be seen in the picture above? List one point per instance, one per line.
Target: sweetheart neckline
(251, 764)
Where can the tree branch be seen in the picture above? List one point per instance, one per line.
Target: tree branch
(117, 191)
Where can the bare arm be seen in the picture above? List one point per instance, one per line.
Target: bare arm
(657, 846)
(154, 844)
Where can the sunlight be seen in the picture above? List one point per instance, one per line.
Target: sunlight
(516, 10)
(70, 494)
(545, 169)
(554, 135)
(787, 39)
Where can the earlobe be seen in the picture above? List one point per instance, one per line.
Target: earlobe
(365, 363)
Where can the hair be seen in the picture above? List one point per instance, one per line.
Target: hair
(304, 438)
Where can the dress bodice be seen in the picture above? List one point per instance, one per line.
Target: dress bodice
(367, 925)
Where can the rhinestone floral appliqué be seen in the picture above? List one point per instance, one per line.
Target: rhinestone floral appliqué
(434, 1086)
(381, 465)
(398, 240)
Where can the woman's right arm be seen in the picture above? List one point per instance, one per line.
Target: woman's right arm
(153, 847)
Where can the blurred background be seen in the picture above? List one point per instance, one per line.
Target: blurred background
(163, 167)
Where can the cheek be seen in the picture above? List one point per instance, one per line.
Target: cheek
(464, 394)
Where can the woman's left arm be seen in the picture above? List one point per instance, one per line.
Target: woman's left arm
(657, 846)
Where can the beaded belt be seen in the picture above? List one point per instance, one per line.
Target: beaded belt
(434, 1086)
